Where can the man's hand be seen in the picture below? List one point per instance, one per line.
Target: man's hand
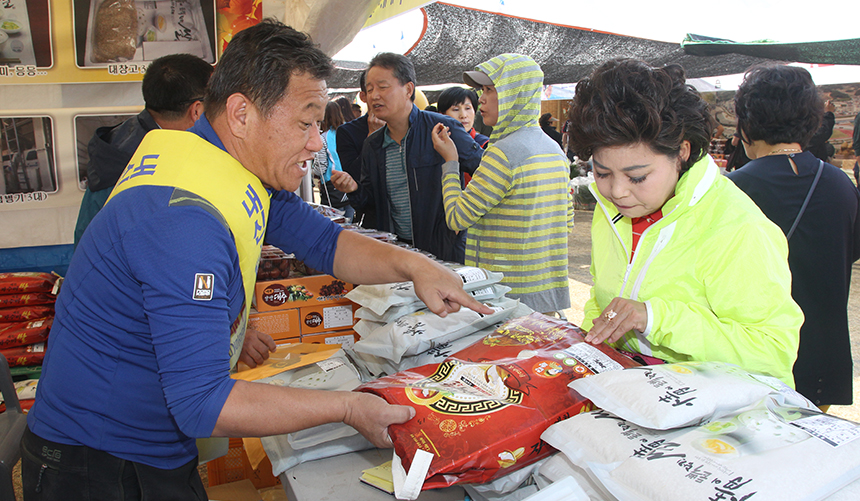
(373, 123)
(443, 143)
(829, 106)
(343, 182)
(256, 348)
(442, 290)
(371, 416)
(620, 317)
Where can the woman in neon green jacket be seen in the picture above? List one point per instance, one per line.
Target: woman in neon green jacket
(685, 266)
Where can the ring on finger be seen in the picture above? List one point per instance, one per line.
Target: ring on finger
(609, 315)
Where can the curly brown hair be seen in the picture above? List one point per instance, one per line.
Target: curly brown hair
(627, 102)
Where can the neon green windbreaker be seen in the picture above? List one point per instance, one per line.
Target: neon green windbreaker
(713, 274)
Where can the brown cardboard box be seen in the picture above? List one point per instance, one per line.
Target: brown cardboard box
(325, 318)
(243, 490)
(299, 291)
(345, 338)
(280, 324)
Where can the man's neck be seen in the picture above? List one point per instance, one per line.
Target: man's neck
(398, 128)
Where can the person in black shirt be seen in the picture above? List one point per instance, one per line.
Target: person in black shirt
(816, 206)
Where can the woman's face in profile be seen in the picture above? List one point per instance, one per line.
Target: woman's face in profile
(463, 113)
(635, 179)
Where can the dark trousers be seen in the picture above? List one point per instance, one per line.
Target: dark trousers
(51, 471)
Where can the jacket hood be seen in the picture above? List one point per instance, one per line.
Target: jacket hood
(519, 83)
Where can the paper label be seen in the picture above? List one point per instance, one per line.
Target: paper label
(346, 341)
(594, 359)
(330, 364)
(470, 274)
(337, 316)
(831, 430)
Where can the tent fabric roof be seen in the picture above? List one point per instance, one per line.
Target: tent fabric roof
(830, 52)
(458, 38)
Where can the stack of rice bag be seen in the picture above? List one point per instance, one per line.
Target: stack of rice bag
(480, 412)
(26, 314)
(701, 430)
(398, 332)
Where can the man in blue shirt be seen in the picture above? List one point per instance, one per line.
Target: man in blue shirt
(154, 307)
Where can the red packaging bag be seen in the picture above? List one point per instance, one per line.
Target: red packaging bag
(27, 299)
(26, 313)
(481, 412)
(24, 281)
(32, 354)
(24, 333)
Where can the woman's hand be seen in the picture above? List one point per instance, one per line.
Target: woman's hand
(620, 317)
(343, 182)
(443, 143)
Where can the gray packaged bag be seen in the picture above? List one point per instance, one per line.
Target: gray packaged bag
(421, 331)
(379, 298)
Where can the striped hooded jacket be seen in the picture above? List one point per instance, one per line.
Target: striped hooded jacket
(517, 207)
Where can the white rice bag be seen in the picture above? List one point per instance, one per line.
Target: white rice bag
(334, 374)
(494, 291)
(365, 327)
(379, 298)
(558, 467)
(284, 457)
(768, 450)
(421, 331)
(565, 489)
(668, 396)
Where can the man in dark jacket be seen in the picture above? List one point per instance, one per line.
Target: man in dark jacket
(400, 169)
(350, 141)
(546, 122)
(173, 89)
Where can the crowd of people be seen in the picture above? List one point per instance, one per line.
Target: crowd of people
(688, 265)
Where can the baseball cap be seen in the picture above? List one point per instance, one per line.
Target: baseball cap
(476, 79)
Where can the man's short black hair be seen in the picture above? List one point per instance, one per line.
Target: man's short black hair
(456, 95)
(400, 65)
(258, 64)
(173, 82)
(361, 81)
(778, 104)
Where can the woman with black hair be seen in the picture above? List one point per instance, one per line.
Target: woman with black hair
(815, 204)
(461, 104)
(328, 161)
(669, 228)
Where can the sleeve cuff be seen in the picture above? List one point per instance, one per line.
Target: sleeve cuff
(451, 167)
(650, 324)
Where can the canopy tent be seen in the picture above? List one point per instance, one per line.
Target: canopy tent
(455, 38)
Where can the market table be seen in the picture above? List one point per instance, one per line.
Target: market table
(337, 479)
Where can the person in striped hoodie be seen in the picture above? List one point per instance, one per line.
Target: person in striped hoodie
(517, 208)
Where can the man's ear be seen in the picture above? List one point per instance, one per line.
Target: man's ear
(410, 89)
(363, 96)
(236, 113)
(195, 110)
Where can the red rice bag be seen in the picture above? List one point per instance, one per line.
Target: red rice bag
(481, 412)
(26, 313)
(22, 281)
(32, 354)
(27, 299)
(24, 333)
